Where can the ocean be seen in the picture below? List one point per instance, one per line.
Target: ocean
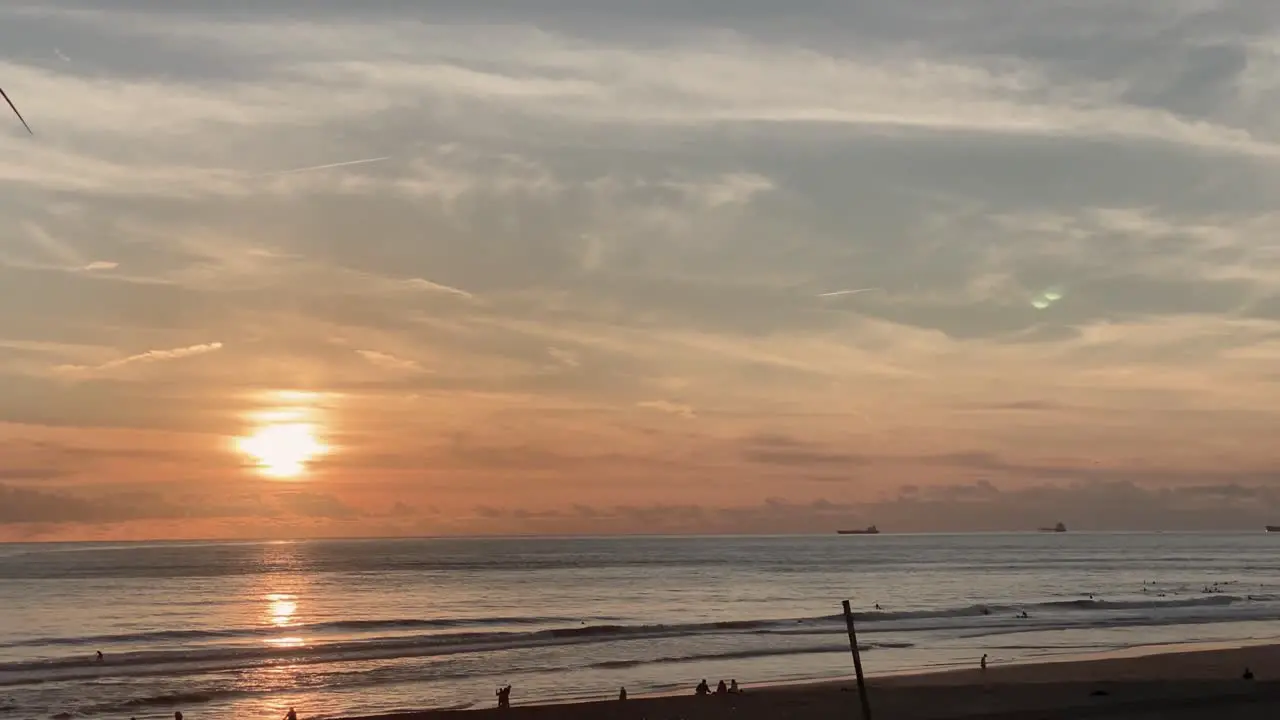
(337, 628)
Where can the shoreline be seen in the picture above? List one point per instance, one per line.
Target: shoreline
(1155, 679)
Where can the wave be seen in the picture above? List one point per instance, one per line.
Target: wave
(480, 635)
(337, 626)
(985, 609)
(745, 654)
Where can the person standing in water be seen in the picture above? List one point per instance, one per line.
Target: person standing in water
(291, 715)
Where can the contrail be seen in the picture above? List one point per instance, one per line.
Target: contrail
(15, 110)
(62, 55)
(326, 167)
(837, 293)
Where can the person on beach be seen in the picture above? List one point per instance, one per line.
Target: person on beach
(100, 658)
(177, 715)
(703, 688)
(504, 696)
(733, 687)
(622, 694)
(983, 663)
(722, 689)
(291, 715)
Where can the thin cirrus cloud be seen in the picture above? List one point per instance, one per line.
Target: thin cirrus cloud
(565, 234)
(150, 356)
(389, 361)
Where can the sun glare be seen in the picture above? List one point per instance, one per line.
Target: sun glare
(282, 450)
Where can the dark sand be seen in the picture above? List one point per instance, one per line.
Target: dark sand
(1171, 685)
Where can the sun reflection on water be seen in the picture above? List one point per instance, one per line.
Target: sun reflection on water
(286, 642)
(281, 609)
(281, 612)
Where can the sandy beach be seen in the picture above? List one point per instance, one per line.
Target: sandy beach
(1166, 685)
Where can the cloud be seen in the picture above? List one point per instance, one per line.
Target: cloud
(149, 356)
(329, 166)
(428, 286)
(390, 362)
(788, 452)
(568, 233)
(564, 357)
(1084, 506)
(666, 406)
(24, 506)
(97, 265)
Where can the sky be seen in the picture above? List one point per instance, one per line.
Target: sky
(316, 268)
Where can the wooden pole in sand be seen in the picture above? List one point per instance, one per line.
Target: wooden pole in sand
(857, 662)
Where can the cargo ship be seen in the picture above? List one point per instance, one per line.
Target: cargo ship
(1056, 528)
(873, 530)
(1273, 528)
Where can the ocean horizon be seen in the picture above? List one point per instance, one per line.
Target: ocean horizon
(342, 627)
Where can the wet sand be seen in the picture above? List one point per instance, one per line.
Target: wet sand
(1169, 685)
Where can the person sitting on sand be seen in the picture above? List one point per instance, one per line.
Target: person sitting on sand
(722, 689)
(504, 696)
(733, 687)
(703, 688)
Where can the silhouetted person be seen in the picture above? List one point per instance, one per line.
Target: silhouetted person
(703, 688)
(177, 715)
(622, 693)
(983, 663)
(1248, 674)
(733, 687)
(1024, 615)
(878, 606)
(986, 610)
(722, 689)
(291, 715)
(504, 696)
(100, 658)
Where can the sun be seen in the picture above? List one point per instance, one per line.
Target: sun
(282, 450)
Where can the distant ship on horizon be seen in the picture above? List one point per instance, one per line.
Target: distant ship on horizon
(1273, 528)
(1062, 528)
(873, 530)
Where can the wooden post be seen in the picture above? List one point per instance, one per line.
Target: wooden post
(857, 662)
